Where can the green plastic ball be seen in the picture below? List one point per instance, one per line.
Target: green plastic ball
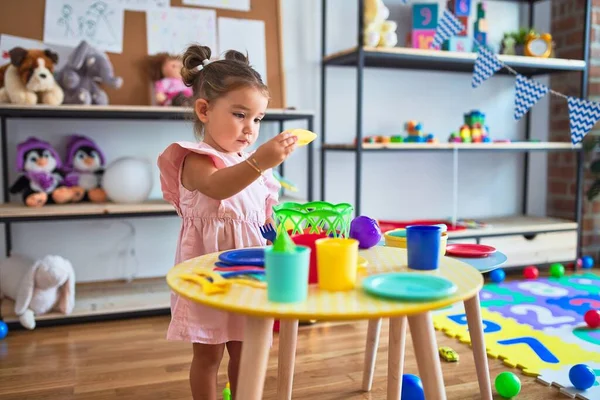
(507, 384)
(557, 270)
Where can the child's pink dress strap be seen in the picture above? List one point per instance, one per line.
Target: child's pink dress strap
(209, 226)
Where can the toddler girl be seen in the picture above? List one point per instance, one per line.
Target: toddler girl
(222, 194)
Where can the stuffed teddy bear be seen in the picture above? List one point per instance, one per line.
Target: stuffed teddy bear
(28, 79)
(378, 31)
(41, 181)
(85, 69)
(37, 286)
(84, 167)
(165, 72)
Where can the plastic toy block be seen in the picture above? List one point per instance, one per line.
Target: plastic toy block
(461, 44)
(481, 8)
(481, 25)
(480, 38)
(460, 8)
(465, 22)
(422, 38)
(424, 16)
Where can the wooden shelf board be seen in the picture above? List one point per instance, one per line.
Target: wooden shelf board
(513, 146)
(17, 211)
(422, 59)
(127, 112)
(517, 225)
(104, 298)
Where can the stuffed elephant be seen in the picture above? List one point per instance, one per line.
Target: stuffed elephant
(79, 78)
(37, 286)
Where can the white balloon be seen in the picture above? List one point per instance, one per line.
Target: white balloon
(128, 180)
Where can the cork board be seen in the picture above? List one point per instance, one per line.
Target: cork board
(25, 18)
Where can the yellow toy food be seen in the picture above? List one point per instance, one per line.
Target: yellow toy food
(304, 136)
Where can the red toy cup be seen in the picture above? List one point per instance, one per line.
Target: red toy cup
(308, 240)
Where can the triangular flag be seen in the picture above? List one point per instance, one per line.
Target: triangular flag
(486, 65)
(528, 92)
(583, 115)
(448, 26)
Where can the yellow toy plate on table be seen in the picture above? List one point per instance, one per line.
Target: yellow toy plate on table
(304, 136)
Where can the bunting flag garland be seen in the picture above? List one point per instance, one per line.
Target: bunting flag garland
(528, 92)
(486, 65)
(448, 26)
(583, 115)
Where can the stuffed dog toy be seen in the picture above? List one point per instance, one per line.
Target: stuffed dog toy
(29, 78)
(37, 287)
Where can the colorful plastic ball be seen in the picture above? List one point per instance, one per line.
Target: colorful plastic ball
(557, 270)
(412, 388)
(592, 318)
(582, 376)
(531, 272)
(507, 384)
(366, 230)
(579, 263)
(587, 262)
(3, 330)
(497, 275)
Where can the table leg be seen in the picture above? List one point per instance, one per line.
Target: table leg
(371, 353)
(397, 339)
(475, 324)
(428, 361)
(288, 338)
(255, 355)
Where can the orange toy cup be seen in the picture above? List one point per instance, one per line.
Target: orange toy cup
(337, 263)
(308, 240)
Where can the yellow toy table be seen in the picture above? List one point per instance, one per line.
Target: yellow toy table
(350, 305)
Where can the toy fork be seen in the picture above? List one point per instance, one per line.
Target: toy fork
(268, 232)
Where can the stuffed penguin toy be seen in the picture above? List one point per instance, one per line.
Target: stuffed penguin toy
(85, 166)
(41, 180)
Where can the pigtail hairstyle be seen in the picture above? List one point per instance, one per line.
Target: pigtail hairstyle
(213, 79)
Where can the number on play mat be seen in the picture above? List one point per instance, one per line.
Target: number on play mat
(542, 351)
(488, 326)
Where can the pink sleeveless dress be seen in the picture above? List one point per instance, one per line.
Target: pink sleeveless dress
(209, 226)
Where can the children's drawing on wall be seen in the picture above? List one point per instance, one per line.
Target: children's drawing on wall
(171, 30)
(100, 23)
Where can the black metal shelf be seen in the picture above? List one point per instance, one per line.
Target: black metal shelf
(128, 112)
(362, 57)
(447, 61)
(512, 147)
(16, 213)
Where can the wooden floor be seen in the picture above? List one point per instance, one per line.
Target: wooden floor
(131, 359)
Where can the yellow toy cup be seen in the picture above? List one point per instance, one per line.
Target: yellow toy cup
(397, 238)
(337, 263)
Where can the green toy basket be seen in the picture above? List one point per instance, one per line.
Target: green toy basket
(316, 216)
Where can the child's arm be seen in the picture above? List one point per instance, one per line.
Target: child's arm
(199, 172)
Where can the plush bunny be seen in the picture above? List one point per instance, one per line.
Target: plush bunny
(38, 286)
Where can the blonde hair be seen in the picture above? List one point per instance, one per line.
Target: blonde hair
(213, 79)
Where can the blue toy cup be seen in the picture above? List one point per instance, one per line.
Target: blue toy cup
(287, 274)
(423, 246)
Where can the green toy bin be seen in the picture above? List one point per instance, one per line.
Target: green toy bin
(315, 216)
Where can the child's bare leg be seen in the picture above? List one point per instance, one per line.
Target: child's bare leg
(204, 369)
(235, 352)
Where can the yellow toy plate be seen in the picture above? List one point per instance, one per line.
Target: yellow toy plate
(304, 136)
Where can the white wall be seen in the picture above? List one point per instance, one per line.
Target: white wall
(396, 185)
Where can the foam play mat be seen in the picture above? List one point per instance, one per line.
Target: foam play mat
(538, 327)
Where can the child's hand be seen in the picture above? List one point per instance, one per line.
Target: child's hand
(276, 150)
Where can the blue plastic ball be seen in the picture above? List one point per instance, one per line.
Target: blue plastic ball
(487, 139)
(3, 330)
(582, 376)
(587, 262)
(497, 275)
(412, 388)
